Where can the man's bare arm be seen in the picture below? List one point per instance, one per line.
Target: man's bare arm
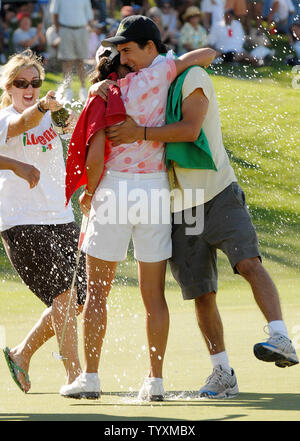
(199, 57)
(194, 109)
(55, 21)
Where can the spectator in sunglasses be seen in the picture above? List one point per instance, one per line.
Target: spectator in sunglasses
(38, 232)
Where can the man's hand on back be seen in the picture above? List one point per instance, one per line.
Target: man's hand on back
(125, 133)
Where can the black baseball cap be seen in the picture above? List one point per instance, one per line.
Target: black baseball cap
(134, 28)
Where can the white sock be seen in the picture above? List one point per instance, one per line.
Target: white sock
(221, 359)
(277, 327)
(90, 376)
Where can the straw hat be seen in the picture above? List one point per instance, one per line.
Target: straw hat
(191, 12)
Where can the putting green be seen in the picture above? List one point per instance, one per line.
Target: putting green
(260, 124)
(267, 393)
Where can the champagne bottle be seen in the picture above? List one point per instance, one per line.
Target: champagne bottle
(59, 118)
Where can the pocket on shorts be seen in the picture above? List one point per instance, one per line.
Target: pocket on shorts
(238, 194)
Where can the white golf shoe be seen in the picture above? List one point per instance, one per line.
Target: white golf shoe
(278, 349)
(152, 390)
(83, 387)
(220, 384)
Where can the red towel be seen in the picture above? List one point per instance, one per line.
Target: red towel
(96, 115)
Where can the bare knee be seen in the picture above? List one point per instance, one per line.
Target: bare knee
(205, 300)
(248, 268)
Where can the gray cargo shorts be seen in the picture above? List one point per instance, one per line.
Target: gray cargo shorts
(73, 44)
(228, 227)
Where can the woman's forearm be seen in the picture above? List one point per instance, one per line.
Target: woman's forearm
(95, 161)
(21, 169)
(32, 116)
(7, 163)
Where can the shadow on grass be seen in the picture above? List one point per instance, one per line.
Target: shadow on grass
(240, 161)
(244, 402)
(77, 417)
(286, 402)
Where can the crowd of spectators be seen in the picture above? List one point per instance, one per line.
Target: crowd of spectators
(240, 30)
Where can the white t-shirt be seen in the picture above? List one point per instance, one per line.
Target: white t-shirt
(216, 9)
(227, 38)
(45, 203)
(72, 13)
(170, 21)
(284, 8)
(211, 181)
(19, 36)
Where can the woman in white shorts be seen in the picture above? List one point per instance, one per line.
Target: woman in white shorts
(120, 208)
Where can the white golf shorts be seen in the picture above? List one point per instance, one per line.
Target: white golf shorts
(127, 206)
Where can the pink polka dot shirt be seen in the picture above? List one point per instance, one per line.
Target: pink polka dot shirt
(144, 94)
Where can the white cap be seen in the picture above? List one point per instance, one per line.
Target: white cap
(110, 50)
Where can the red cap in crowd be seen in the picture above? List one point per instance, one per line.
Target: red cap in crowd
(21, 15)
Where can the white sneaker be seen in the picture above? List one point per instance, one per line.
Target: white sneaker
(82, 387)
(68, 94)
(278, 349)
(152, 390)
(83, 94)
(220, 384)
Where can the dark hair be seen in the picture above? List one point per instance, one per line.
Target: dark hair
(160, 47)
(104, 68)
(231, 12)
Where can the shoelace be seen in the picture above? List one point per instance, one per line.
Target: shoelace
(279, 339)
(216, 377)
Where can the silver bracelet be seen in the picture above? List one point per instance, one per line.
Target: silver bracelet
(87, 193)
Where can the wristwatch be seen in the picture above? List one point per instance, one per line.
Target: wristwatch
(41, 108)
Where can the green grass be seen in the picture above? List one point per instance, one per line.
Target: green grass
(260, 120)
(124, 363)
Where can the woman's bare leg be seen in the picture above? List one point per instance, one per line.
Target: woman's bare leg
(70, 343)
(37, 336)
(152, 286)
(100, 274)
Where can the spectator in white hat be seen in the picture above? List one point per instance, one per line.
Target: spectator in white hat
(192, 35)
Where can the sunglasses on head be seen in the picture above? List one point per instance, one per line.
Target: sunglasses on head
(23, 84)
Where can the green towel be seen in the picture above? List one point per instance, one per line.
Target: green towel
(196, 154)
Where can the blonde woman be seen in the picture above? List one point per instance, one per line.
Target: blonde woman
(38, 232)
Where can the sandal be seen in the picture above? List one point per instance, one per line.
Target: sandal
(14, 369)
